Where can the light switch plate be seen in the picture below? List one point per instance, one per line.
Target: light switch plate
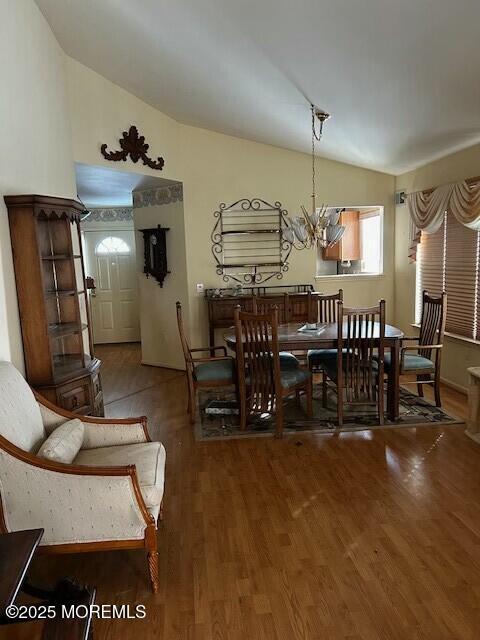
(200, 287)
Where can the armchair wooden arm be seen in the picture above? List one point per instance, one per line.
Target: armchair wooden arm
(417, 348)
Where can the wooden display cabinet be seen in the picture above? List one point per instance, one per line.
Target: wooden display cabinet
(348, 247)
(53, 302)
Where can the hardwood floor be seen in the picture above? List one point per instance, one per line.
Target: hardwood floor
(358, 536)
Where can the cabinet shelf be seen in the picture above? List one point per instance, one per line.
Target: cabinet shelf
(60, 293)
(63, 329)
(66, 364)
(61, 256)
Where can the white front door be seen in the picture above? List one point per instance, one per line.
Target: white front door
(114, 303)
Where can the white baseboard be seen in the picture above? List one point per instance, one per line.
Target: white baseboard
(473, 436)
(454, 385)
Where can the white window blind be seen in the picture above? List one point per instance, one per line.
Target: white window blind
(449, 261)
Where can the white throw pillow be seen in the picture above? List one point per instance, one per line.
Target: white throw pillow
(63, 444)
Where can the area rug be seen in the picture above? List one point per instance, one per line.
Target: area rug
(218, 417)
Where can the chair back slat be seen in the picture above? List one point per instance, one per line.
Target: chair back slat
(258, 360)
(323, 307)
(361, 341)
(432, 324)
(265, 305)
(183, 337)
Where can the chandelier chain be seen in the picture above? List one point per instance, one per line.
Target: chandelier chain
(313, 158)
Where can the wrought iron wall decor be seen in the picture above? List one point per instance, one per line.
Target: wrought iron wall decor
(132, 145)
(248, 241)
(155, 253)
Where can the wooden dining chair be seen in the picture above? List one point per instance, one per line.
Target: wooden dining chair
(425, 361)
(262, 381)
(322, 309)
(264, 305)
(204, 372)
(358, 372)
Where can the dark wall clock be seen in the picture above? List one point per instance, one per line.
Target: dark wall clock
(155, 253)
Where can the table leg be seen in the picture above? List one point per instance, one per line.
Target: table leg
(393, 384)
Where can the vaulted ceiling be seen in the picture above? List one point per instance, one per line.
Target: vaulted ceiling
(400, 77)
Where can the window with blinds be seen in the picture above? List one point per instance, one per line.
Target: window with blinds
(448, 260)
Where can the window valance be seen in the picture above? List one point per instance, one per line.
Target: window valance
(427, 209)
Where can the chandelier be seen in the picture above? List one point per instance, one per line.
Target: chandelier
(319, 228)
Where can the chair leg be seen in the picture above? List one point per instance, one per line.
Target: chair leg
(153, 569)
(324, 390)
(189, 408)
(243, 416)
(380, 402)
(193, 404)
(438, 400)
(279, 419)
(309, 394)
(340, 407)
(419, 387)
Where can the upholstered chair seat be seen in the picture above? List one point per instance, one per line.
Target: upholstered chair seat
(89, 483)
(215, 370)
(411, 362)
(317, 357)
(149, 461)
(288, 360)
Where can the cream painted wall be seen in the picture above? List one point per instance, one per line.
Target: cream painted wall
(35, 151)
(158, 320)
(101, 110)
(458, 354)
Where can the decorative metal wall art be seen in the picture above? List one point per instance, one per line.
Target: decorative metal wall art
(248, 242)
(132, 145)
(155, 253)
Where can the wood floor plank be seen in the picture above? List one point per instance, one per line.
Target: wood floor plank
(372, 535)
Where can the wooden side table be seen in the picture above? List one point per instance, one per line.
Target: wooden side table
(16, 552)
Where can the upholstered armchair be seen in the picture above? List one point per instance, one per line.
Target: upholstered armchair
(108, 497)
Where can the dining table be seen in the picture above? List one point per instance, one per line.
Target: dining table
(295, 336)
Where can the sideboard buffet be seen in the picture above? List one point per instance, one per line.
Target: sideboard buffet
(291, 300)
